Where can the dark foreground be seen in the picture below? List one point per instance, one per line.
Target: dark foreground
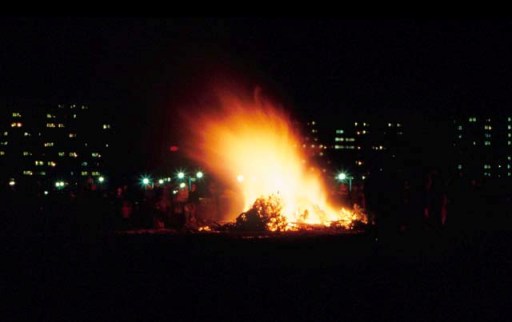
(427, 277)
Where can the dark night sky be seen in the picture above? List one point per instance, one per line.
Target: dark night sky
(143, 68)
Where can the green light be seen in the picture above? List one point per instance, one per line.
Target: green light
(341, 176)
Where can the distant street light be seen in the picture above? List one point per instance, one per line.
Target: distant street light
(101, 179)
(181, 175)
(199, 174)
(342, 176)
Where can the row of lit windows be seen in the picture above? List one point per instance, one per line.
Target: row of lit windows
(344, 139)
(344, 147)
(83, 107)
(16, 114)
(53, 125)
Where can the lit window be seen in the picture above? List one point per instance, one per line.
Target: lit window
(4, 143)
(48, 144)
(52, 164)
(16, 114)
(6, 133)
(339, 131)
(460, 136)
(106, 145)
(49, 116)
(72, 135)
(84, 107)
(339, 139)
(459, 166)
(61, 154)
(398, 125)
(97, 155)
(43, 173)
(459, 127)
(74, 116)
(27, 172)
(50, 124)
(509, 127)
(487, 143)
(26, 134)
(84, 164)
(60, 125)
(2, 152)
(95, 173)
(16, 124)
(390, 125)
(107, 126)
(39, 163)
(26, 153)
(84, 173)
(73, 154)
(355, 123)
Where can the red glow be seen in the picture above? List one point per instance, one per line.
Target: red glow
(173, 148)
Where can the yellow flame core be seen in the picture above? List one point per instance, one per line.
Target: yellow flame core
(253, 146)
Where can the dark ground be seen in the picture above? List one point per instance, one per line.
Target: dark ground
(425, 277)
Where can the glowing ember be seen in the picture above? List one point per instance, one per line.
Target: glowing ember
(251, 145)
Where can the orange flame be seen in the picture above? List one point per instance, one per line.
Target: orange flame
(252, 146)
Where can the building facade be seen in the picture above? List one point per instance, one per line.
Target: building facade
(483, 147)
(42, 144)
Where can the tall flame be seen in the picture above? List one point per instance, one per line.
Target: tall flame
(252, 146)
